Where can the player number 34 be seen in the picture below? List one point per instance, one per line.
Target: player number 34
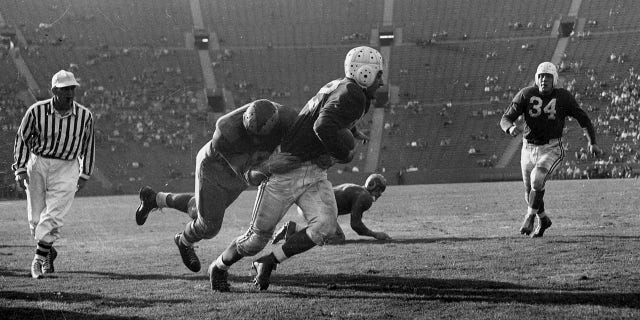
(536, 110)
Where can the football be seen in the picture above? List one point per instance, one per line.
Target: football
(346, 139)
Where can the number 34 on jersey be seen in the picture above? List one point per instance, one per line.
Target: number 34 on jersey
(537, 108)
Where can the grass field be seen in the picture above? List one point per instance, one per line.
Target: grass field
(456, 254)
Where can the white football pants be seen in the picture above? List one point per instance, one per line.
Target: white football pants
(52, 185)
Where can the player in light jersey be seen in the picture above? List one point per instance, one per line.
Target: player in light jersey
(314, 139)
(243, 140)
(351, 199)
(544, 107)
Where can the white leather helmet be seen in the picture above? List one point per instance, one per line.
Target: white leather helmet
(547, 67)
(376, 181)
(362, 64)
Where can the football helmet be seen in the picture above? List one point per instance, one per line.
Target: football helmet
(547, 67)
(376, 181)
(362, 64)
(261, 117)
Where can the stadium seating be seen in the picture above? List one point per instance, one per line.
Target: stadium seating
(456, 65)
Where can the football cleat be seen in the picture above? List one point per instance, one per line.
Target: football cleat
(147, 204)
(527, 224)
(285, 232)
(218, 279)
(188, 254)
(47, 267)
(543, 224)
(263, 268)
(36, 268)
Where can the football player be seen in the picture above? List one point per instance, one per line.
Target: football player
(544, 107)
(237, 156)
(338, 105)
(351, 199)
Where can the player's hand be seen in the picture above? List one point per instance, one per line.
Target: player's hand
(256, 177)
(514, 131)
(324, 161)
(595, 150)
(281, 162)
(361, 136)
(381, 236)
(259, 156)
(339, 239)
(349, 158)
(22, 180)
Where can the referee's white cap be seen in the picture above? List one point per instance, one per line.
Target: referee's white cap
(63, 78)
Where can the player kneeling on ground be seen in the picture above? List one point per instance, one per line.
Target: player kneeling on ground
(544, 107)
(351, 199)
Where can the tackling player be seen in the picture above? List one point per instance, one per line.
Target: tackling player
(544, 107)
(243, 140)
(351, 199)
(314, 138)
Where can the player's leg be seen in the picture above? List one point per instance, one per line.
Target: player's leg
(318, 204)
(526, 165)
(218, 187)
(550, 156)
(287, 229)
(272, 202)
(338, 238)
(179, 201)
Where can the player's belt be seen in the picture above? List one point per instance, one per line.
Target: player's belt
(540, 142)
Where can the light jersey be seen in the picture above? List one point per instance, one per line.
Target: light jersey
(544, 115)
(337, 105)
(242, 150)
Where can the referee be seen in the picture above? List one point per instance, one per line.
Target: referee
(54, 155)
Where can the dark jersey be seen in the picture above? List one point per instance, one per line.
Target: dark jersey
(338, 105)
(349, 194)
(544, 114)
(242, 150)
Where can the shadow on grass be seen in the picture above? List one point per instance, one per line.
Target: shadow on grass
(72, 297)
(25, 273)
(36, 314)
(456, 290)
(422, 240)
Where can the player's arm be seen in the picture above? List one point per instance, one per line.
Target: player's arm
(265, 164)
(360, 205)
(225, 137)
(338, 113)
(585, 122)
(511, 114)
(359, 135)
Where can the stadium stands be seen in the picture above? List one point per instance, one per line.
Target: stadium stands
(456, 66)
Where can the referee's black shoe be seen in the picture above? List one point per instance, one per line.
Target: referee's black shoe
(47, 267)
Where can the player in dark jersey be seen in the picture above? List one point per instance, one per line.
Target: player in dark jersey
(351, 199)
(314, 139)
(544, 107)
(243, 140)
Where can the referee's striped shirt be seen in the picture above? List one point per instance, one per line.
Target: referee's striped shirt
(46, 133)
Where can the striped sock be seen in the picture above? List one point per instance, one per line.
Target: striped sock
(184, 241)
(161, 199)
(220, 264)
(42, 250)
